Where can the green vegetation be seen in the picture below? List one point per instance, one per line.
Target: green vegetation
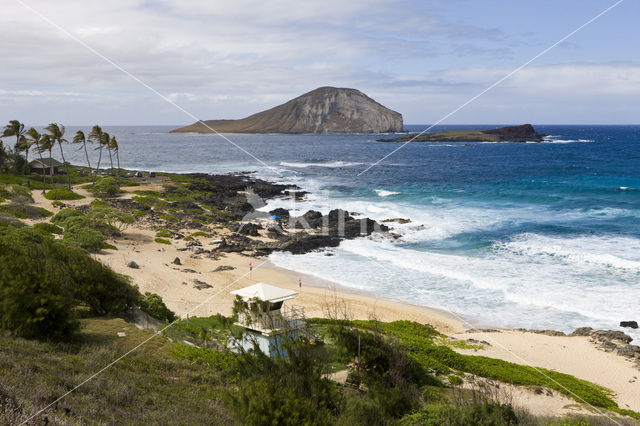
(162, 241)
(200, 234)
(24, 211)
(62, 194)
(148, 193)
(169, 218)
(90, 231)
(420, 341)
(152, 304)
(105, 187)
(48, 228)
(42, 280)
(165, 233)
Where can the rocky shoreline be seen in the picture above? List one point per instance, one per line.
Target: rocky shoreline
(232, 200)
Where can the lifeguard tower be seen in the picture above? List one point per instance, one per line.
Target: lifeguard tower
(266, 322)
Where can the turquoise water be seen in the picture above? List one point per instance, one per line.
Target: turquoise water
(521, 235)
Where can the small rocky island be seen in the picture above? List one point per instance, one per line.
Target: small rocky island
(523, 133)
(323, 110)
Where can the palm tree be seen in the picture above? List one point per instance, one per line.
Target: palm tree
(14, 128)
(113, 146)
(36, 139)
(57, 135)
(96, 136)
(80, 138)
(108, 146)
(47, 144)
(104, 143)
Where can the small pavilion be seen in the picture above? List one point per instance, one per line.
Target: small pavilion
(267, 323)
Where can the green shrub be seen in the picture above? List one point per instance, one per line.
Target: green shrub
(99, 203)
(162, 241)
(4, 193)
(140, 213)
(169, 218)
(152, 304)
(42, 279)
(48, 228)
(200, 234)
(22, 191)
(105, 187)
(109, 217)
(23, 211)
(149, 193)
(212, 358)
(62, 194)
(165, 233)
(64, 214)
(78, 234)
(462, 414)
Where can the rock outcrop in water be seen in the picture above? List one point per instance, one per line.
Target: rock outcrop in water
(523, 133)
(323, 110)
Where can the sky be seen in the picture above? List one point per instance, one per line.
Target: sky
(230, 59)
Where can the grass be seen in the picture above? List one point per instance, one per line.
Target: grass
(62, 194)
(162, 241)
(150, 386)
(200, 234)
(169, 218)
(165, 233)
(148, 193)
(25, 211)
(422, 342)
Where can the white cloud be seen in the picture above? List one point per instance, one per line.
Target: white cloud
(228, 59)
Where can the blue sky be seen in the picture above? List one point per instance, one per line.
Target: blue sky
(229, 59)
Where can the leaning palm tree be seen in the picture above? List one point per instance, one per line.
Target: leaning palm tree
(24, 145)
(113, 146)
(14, 128)
(108, 146)
(57, 135)
(80, 138)
(96, 136)
(35, 139)
(47, 144)
(104, 143)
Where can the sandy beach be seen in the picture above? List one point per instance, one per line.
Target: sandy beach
(192, 286)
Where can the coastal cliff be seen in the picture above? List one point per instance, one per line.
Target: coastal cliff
(523, 133)
(323, 110)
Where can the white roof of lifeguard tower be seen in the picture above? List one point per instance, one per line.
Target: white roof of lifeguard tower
(265, 292)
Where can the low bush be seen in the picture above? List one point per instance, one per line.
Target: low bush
(152, 304)
(62, 194)
(105, 187)
(48, 228)
(64, 214)
(165, 233)
(462, 414)
(169, 218)
(162, 241)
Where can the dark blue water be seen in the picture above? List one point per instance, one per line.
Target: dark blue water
(510, 234)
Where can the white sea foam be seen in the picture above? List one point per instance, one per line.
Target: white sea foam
(385, 193)
(330, 164)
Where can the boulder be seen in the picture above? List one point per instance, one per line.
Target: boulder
(629, 324)
(177, 261)
(133, 265)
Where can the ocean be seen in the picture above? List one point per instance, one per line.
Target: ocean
(533, 235)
